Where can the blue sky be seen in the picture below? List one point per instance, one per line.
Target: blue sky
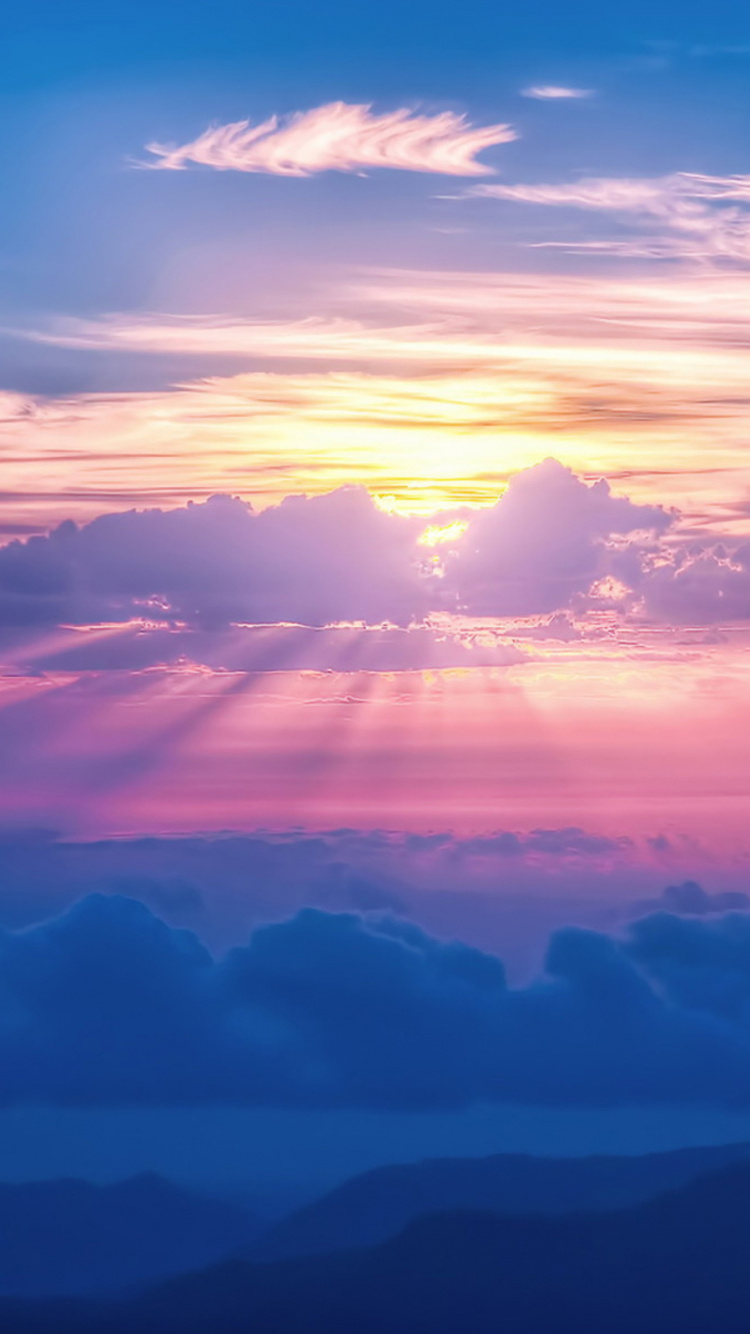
(84, 89)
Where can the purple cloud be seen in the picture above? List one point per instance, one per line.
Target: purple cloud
(699, 586)
(544, 543)
(335, 557)
(317, 561)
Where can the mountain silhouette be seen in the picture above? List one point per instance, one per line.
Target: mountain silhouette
(75, 1237)
(378, 1204)
(675, 1265)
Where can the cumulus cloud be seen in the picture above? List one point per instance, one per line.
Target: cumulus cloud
(703, 216)
(553, 92)
(176, 580)
(340, 137)
(703, 966)
(504, 890)
(109, 1006)
(698, 586)
(329, 558)
(543, 543)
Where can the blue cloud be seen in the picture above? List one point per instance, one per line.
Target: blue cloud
(107, 1005)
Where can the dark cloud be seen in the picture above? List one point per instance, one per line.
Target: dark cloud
(692, 900)
(698, 965)
(570, 842)
(505, 891)
(107, 1005)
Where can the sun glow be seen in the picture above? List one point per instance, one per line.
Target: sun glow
(437, 535)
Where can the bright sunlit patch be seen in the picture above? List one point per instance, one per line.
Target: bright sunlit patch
(388, 504)
(436, 535)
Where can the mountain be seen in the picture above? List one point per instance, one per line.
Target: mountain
(675, 1265)
(378, 1204)
(74, 1237)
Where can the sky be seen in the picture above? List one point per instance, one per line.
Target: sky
(374, 565)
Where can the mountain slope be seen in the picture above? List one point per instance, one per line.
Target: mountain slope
(74, 1237)
(677, 1265)
(380, 1203)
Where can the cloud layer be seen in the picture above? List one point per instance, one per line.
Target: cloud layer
(340, 137)
(325, 559)
(109, 1006)
(376, 381)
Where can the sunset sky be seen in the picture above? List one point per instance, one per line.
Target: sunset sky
(374, 403)
(271, 257)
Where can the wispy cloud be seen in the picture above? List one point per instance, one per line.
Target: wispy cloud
(703, 217)
(604, 373)
(340, 137)
(551, 92)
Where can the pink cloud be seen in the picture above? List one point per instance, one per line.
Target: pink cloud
(685, 203)
(340, 137)
(375, 378)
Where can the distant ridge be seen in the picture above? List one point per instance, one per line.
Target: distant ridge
(74, 1237)
(675, 1265)
(377, 1204)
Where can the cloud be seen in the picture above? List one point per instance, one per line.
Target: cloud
(268, 648)
(503, 891)
(109, 1006)
(327, 558)
(330, 558)
(543, 543)
(340, 137)
(698, 585)
(703, 966)
(703, 216)
(691, 899)
(551, 92)
(516, 365)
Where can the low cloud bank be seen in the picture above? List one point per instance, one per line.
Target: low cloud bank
(548, 544)
(107, 1005)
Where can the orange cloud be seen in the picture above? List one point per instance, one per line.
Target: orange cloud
(426, 386)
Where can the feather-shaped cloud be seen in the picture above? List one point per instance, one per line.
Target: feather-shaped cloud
(340, 137)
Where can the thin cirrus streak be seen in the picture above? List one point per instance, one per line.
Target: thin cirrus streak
(703, 217)
(397, 436)
(554, 92)
(604, 374)
(340, 137)
(427, 315)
